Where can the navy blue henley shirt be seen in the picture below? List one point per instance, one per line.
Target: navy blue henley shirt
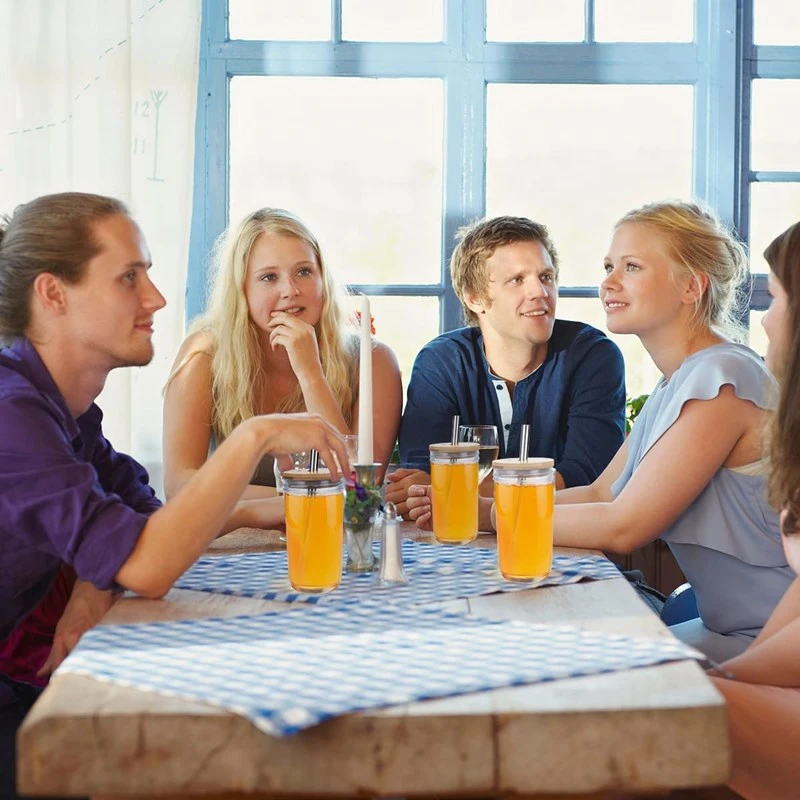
(574, 402)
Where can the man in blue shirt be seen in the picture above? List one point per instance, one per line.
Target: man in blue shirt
(514, 364)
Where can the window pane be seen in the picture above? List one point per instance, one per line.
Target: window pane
(391, 317)
(773, 208)
(534, 21)
(758, 336)
(643, 21)
(304, 20)
(776, 22)
(390, 21)
(359, 160)
(776, 118)
(571, 157)
(641, 373)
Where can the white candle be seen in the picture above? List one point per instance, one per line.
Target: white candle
(365, 455)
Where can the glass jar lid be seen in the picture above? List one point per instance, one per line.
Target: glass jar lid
(301, 478)
(445, 448)
(530, 464)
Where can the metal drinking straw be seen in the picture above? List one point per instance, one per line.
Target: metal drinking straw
(454, 433)
(314, 466)
(523, 442)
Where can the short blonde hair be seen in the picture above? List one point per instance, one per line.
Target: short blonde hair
(702, 245)
(476, 245)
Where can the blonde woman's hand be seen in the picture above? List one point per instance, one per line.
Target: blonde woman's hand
(291, 433)
(419, 507)
(299, 339)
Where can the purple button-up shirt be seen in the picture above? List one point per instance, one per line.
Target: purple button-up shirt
(65, 494)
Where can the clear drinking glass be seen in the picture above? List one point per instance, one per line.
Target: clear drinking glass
(351, 443)
(486, 438)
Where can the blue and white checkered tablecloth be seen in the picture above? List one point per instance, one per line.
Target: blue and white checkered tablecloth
(436, 573)
(288, 671)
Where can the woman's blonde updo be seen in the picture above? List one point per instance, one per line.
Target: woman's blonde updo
(703, 246)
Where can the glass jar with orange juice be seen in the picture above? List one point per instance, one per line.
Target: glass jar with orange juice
(524, 496)
(314, 515)
(454, 491)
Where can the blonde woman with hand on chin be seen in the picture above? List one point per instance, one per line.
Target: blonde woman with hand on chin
(273, 339)
(691, 472)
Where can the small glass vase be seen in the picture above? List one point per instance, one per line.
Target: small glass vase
(358, 543)
(361, 505)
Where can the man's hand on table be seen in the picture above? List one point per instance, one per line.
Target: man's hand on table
(86, 607)
(399, 483)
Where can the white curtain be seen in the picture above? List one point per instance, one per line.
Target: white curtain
(99, 96)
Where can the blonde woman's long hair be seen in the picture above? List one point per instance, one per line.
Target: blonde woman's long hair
(237, 367)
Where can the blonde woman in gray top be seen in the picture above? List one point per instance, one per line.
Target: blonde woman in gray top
(273, 340)
(691, 472)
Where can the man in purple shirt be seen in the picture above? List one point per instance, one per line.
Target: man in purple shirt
(76, 301)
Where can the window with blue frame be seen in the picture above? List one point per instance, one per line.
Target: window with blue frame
(387, 125)
(772, 74)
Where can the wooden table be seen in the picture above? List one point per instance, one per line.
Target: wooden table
(644, 730)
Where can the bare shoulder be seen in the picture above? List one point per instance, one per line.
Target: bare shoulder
(382, 352)
(193, 361)
(743, 424)
(196, 343)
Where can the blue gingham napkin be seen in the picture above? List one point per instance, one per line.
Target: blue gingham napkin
(291, 670)
(436, 573)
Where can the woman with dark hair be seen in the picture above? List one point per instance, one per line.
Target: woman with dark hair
(762, 685)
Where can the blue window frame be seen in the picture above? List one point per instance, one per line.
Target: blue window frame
(721, 64)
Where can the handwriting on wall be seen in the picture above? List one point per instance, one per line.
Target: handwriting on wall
(148, 112)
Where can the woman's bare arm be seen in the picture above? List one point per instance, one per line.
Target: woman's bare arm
(600, 490)
(672, 474)
(188, 418)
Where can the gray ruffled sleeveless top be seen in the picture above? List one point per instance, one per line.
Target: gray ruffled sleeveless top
(728, 541)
